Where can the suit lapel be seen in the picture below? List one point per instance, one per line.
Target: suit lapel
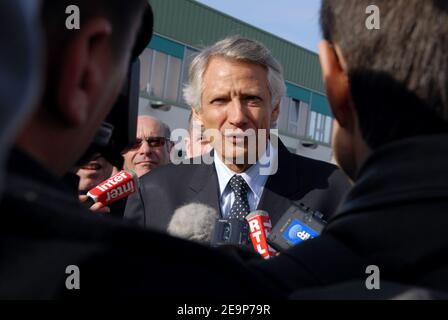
(274, 204)
(205, 186)
(277, 192)
(279, 188)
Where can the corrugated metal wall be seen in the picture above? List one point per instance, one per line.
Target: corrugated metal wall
(197, 25)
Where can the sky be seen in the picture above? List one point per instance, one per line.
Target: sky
(294, 20)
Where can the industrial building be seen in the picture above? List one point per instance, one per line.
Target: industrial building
(183, 27)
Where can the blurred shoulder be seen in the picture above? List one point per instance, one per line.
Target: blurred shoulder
(309, 163)
(310, 169)
(172, 174)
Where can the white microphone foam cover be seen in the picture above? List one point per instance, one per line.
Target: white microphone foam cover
(194, 221)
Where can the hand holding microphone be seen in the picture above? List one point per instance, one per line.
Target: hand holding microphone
(117, 187)
(94, 207)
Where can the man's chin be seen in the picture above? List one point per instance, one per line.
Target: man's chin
(142, 169)
(236, 156)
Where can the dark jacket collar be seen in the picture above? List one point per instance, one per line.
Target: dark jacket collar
(32, 185)
(279, 186)
(203, 172)
(395, 215)
(22, 165)
(414, 168)
(286, 169)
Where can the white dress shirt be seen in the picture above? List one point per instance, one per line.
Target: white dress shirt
(252, 176)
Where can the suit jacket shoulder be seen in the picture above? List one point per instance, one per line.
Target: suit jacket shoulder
(316, 184)
(167, 188)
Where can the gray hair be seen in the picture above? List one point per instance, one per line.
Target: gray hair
(237, 48)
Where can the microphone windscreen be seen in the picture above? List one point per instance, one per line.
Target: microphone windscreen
(117, 187)
(194, 221)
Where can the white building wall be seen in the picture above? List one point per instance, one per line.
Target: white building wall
(175, 117)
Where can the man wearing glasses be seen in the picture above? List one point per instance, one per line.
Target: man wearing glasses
(152, 149)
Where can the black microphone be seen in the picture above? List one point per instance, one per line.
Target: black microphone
(201, 223)
(234, 232)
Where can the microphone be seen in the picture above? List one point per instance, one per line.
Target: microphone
(260, 228)
(230, 232)
(194, 222)
(298, 224)
(117, 187)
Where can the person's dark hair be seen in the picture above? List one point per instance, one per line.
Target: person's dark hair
(398, 75)
(120, 13)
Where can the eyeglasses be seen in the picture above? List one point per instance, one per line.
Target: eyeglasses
(153, 142)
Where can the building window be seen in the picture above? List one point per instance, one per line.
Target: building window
(189, 55)
(320, 123)
(328, 129)
(145, 68)
(312, 125)
(297, 115)
(282, 121)
(320, 127)
(293, 116)
(172, 78)
(160, 74)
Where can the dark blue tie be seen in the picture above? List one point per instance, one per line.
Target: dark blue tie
(240, 208)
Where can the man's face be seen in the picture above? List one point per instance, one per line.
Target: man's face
(235, 98)
(104, 96)
(346, 138)
(93, 173)
(152, 152)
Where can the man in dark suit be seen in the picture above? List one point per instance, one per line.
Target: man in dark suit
(388, 91)
(51, 246)
(234, 88)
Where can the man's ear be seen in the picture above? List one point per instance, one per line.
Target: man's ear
(336, 84)
(82, 70)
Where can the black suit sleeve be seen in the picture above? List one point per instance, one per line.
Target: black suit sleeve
(323, 187)
(135, 208)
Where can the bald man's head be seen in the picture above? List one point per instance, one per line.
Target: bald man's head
(152, 148)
